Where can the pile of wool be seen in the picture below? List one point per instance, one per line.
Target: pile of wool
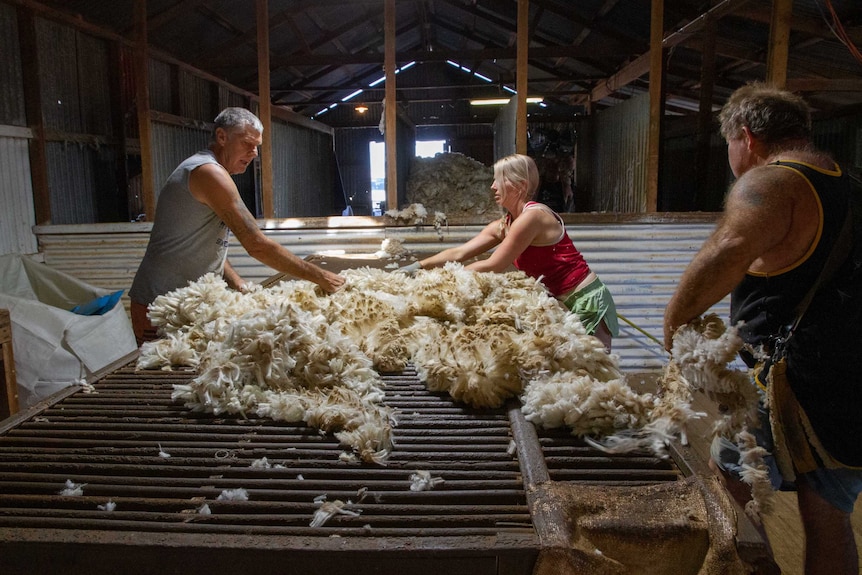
(293, 353)
(455, 184)
(273, 352)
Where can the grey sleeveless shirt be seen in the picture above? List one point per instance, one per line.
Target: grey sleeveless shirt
(188, 239)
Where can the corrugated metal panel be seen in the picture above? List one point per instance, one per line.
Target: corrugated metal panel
(640, 263)
(354, 165)
(58, 67)
(11, 88)
(71, 183)
(16, 197)
(195, 97)
(228, 98)
(679, 190)
(95, 92)
(619, 143)
(505, 130)
(171, 144)
(839, 136)
(304, 172)
(159, 83)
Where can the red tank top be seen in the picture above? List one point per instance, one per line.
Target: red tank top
(560, 266)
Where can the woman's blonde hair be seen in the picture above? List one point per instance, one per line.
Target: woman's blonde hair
(518, 169)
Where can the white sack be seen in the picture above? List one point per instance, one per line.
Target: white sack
(53, 347)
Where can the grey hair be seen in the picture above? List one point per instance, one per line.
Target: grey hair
(773, 115)
(517, 169)
(231, 119)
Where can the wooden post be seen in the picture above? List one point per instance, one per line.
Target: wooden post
(656, 103)
(266, 189)
(779, 43)
(704, 119)
(521, 84)
(119, 103)
(35, 118)
(9, 383)
(391, 123)
(142, 104)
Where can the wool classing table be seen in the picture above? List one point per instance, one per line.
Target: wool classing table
(508, 503)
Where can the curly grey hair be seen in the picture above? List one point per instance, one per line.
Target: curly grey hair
(231, 119)
(773, 115)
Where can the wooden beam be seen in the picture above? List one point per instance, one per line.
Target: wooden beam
(824, 85)
(812, 26)
(265, 112)
(438, 55)
(779, 43)
(391, 107)
(656, 103)
(35, 117)
(642, 64)
(142, 104)
(173, 13)
(521, 72)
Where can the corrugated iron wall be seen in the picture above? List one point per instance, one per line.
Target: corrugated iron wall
(171, 144)
(11, 92)
(842, 137)
(71, 182)
(75, 101)
(354, 165)
(304, 172)
(195, 97)
(618, 139)
(640, 262)
(227, 98)
(16, 197)
(58, 67)
(16, 191)
(405, 149)
(159, 85)
(505, 130)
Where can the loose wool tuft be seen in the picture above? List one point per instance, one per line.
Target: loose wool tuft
(73, 489)
(701, 351)
(330, 509)
(412, 214)
(423, 481)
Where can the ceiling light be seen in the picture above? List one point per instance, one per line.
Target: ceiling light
(361, 108)
(501, 101)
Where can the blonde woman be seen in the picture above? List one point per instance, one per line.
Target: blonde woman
(533, 238)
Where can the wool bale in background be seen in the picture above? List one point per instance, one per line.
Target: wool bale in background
(454, 184)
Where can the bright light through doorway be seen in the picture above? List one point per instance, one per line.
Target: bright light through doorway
(377, 152)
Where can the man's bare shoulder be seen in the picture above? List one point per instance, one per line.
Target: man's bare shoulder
(767, 185)
(210, 183)
(754, 188)
(209, 171)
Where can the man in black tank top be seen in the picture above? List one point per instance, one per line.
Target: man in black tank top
(781, 220)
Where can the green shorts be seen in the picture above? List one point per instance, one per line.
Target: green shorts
(592, 304)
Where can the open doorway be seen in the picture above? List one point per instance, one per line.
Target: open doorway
(377, 154)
